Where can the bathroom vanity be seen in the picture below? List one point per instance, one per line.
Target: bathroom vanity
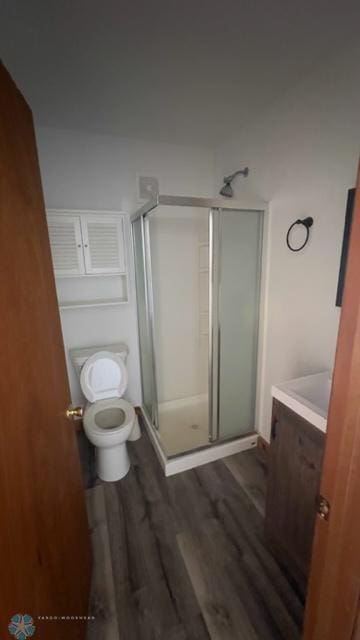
(298, 430)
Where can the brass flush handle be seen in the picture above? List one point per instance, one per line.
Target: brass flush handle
(323, 508)
(74, 412)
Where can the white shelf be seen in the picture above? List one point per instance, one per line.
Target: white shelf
(76, 304)
(86, 276)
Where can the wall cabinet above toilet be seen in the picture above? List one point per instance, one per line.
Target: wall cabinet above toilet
(89, 256)
(86, 243)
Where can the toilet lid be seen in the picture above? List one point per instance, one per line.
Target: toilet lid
(104, 375)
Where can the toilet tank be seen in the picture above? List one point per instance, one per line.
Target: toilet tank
(79, 356)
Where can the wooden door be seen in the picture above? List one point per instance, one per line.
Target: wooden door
(334, 586)
(44, 541)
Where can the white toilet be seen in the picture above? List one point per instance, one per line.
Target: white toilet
(109, 420)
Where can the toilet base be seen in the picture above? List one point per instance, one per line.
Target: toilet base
(112, 463)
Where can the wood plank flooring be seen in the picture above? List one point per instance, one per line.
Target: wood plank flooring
(184, 558)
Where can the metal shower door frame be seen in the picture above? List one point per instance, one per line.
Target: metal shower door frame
(214, 335)
(214, 322)
(215, 207)
(151, 314)
(149, 306)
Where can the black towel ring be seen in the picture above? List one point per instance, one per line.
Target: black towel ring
(307, 223)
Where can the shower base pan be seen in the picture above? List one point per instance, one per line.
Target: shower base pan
(184, 424)
(203, 451)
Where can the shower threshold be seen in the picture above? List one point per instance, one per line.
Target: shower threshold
(200, 455)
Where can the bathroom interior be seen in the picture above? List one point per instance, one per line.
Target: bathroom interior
(199, 273)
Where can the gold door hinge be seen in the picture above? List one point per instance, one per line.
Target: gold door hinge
(323, 507)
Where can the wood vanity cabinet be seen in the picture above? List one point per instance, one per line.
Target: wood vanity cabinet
(295, 460)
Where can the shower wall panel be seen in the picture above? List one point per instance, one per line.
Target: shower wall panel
(180, 289)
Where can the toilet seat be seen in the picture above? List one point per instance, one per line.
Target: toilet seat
(104, 375)
(98, 417)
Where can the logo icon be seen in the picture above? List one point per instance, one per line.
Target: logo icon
(21, 626)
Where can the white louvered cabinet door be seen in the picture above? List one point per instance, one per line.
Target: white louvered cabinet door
(66, 245)
(103, 238)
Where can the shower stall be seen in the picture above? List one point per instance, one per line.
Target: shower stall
(198, 284)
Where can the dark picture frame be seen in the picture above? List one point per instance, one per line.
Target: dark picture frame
(345, 245)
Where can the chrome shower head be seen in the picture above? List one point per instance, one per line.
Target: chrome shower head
(227, 189)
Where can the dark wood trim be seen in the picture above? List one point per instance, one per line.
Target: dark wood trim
(263, 448)
(345, 245)
(334, 586)
(263, 444)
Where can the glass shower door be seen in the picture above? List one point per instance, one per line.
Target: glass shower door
(239, 267)
(178, 259)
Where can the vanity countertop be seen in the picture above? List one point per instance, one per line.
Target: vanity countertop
(308, 397)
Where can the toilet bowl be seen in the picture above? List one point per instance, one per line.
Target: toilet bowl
(109, 420)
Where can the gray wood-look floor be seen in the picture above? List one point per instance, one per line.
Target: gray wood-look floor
(184, 558)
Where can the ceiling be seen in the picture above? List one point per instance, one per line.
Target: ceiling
(177, 71)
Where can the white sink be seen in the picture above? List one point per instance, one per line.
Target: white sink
(308, 397)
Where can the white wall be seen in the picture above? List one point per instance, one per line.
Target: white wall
(303, 157)
(92, 171)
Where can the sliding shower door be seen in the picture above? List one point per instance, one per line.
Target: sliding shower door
(239, 271)
(178, 259)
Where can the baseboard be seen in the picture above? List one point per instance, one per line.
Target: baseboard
(263, 444)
